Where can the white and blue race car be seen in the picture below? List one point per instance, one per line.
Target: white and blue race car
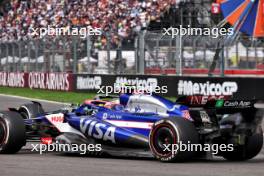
(142, 123)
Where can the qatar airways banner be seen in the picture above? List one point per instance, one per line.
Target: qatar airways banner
(10, 79)
(38, 80)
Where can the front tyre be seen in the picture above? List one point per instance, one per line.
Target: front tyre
(169, 132)
(31, 110)
(252, 147)
(12, 132)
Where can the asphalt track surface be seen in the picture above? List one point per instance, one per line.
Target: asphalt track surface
(27, 163)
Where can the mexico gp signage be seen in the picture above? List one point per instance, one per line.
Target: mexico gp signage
(236, 87)
(88, 82)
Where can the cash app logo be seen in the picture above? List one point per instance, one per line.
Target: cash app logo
(219, 103)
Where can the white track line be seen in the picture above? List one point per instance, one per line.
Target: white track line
(34, 99)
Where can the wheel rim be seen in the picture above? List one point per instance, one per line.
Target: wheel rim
(24, 115)
(163, 134)
(3, 132)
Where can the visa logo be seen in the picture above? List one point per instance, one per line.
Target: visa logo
(95, 130)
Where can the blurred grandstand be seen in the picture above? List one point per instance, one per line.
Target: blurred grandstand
(132, 37)
(120, 17)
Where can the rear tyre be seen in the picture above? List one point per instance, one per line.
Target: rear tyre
(169, 131)
(12, 132)
(31, 110)
(248, 151)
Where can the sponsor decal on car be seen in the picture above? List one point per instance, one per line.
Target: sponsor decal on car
(131, 124)
(205, 117)
(219, 103)
(203, 99)
(187, 115)
(233, 104)
(97, 130)
(46, 140)
(111, 116)
(55, 118)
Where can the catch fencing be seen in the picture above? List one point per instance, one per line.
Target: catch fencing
(145, 53)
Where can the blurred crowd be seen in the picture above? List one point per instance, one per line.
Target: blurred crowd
(122, 18)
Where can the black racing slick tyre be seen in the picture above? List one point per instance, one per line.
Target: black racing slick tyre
(252, 148)
(169, 132)
(12, 132)
(31, 110)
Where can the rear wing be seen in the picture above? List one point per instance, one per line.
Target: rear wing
(223, 105)
(249, 109)
(231, 104)
(219, 102)
(199, 100)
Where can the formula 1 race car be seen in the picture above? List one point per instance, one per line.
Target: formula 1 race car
(144, 123)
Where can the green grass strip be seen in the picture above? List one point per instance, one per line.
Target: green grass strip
(59, 96)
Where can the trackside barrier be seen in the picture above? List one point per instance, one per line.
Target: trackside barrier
(238, 87)
(38, 80)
